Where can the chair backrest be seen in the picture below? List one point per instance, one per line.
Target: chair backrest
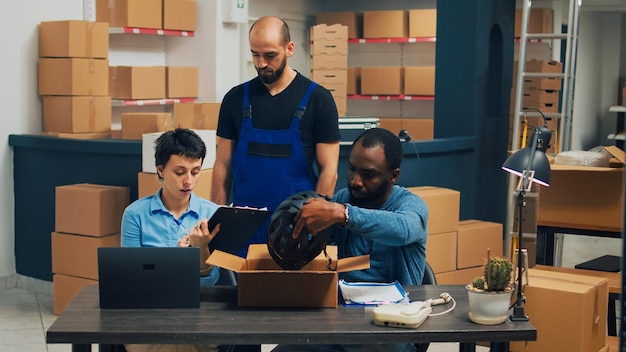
(429, 275)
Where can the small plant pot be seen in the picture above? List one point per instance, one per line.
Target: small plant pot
(487, 307)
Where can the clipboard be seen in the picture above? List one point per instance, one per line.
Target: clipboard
(238, 224)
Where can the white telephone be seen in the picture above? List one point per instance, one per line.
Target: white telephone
(407, 315)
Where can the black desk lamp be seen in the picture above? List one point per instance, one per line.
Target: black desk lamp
(532, 165)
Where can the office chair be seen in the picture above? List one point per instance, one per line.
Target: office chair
(428, 279)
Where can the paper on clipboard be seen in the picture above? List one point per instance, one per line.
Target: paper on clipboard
(372, 293)
(238, 224)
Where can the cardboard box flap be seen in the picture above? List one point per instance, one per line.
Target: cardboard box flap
(238, 264)
(353, 263)
(226, 260)
(558, 167)
(616, 153)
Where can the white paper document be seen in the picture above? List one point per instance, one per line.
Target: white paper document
(372, 293)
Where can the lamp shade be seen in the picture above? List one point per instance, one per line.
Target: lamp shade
(532, 160)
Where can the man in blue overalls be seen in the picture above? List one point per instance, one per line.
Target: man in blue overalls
(274, 131)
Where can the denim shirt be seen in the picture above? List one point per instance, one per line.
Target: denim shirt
(147, 223)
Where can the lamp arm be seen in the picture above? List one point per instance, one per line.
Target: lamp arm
(526, 178)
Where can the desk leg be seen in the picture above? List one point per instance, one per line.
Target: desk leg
(499, 347)
(611, 316)
(467, 347)
(81, 348)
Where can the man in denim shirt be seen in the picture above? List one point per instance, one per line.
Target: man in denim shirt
(372, 216)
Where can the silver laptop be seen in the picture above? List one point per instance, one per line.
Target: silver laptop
(149, 277)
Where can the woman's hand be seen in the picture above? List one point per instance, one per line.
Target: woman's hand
(200, 236)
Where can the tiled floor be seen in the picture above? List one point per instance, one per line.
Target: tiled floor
(25, 314)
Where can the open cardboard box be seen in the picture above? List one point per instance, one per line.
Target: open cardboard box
(584, 197)
(262, 283)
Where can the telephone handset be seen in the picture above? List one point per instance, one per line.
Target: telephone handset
(407, 315)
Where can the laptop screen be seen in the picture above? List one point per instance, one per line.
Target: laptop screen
(145, 277)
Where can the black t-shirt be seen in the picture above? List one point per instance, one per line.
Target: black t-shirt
(318, 125)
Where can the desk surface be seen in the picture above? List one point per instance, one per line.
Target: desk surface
(219, 320)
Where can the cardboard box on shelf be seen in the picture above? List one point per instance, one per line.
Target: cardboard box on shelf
(441, 253)
(535, 97)
(130, 13)
(197, 115)
(73, 76)
(539, 21)
(352, 20)
(583, 197)
(544, 66)
(382, 80)
(423, 23)
(330, 77)
(136, 124)
(323, 32)
(148, 184)
(182, 82)
(312, 286)
(419, 129)
(329, 47)
(419, 80)
(329, 62)
(90, 209)
(386, 24)
(392, 124)
(542, 83)
(179, 15)
(76, 135)
(73, 38)
(354, 80)
(147, 149)
(76, 114)
(443, 207)
(137, 82)
(77, 255)
(65, 288)
(568, 310)
(473, 241)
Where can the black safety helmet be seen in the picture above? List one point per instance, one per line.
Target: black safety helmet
(290, 253)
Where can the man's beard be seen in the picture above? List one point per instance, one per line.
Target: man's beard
(373, 200)
(269, 76)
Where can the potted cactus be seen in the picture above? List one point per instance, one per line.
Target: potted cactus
(490, 294)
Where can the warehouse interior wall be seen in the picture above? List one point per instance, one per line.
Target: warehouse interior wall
(20, 102)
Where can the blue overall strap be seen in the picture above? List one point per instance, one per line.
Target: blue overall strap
(246, 110)
(305, 100)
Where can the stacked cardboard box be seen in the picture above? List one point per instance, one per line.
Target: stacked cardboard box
(539, 21)
(73, 81)
(456, 250)
(541, 93)
(87, 216)
(153, 82)
(329, 61)
(148, 181)
(153, 14)
(196, 115)
(568, 310)
(384, 24)
(418, 128)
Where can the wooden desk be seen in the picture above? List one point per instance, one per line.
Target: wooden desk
(219, 320)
